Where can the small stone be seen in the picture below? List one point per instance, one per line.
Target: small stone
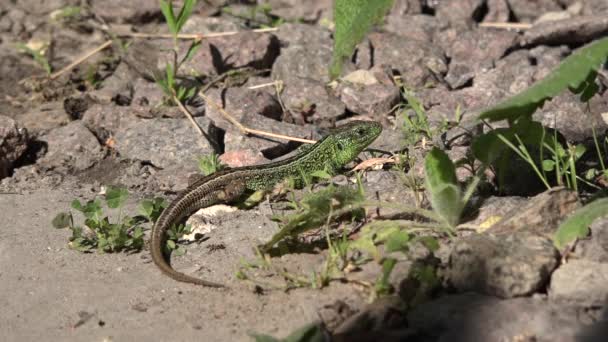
(163, 142)
(595, 248)
(44, 118)
(507, 266)
(375, 100)
(220, 54)
(308, 100)
(13, 142)
(582, 282)
(541, 215)
(72, 146)
(579, 30)
(418, 27)
(417, 62)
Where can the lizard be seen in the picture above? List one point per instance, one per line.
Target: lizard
(342, 145)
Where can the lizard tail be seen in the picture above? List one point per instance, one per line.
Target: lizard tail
(169, 217)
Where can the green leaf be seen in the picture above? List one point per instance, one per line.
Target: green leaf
(179, 251)
(548, 165)
(167, 9)
(577, 225)
(62, 220)
(397, 241)
(353, 18)
(429, 242)
(192, 50)
(184, 14)
(573, 72)
(446, 197)
(116, 197)
(321, 174)
(171, 244)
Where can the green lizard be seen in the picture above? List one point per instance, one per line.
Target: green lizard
(330, 153)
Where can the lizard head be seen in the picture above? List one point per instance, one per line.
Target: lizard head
(350, 139)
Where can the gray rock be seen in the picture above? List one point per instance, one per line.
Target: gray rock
(220, 54)
(389, 187)
(541, 215)
(579, 30)
(236, 140)
(404, 7)
(302, 10)
(580, 282)
(507, 266)
(474, 317)
(564, 112)
(13, 142)
(459, 14)
(308, 100)
(375, 100)
(106, 120)
(163, 142)
(299, 61)
(498, 11)
(595, 248)
(419, 27)
(475, 51)
(114, 11)
(496, 207)
(305, 35)
(45, 117)
(417, 62)
(527, 11)
(71, 147)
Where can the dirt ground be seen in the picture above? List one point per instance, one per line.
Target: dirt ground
(106, 122)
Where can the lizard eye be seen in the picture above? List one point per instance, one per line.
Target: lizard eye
(360, 131)
(340, 146)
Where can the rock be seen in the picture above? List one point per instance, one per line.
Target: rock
(476, 51)
(115, 11)
(541, 215)
(236, 140)
(564, 111)
(459, 14)
(369, 98)
(416, 62)
(117, 87)
(494, 209)
(498, 11)
(45, 117)
(308, 101)
(595, 248)
(579, 30)
(163, 142)
(220, 54)
(507, 266)
(581, 282)
(418, 27)
(143, 56)
(290, 34)
(593, 7)
(528, 11)
(13, 142)
(302, 10)
(72, 147)
(106, 120)
(404, 7)
(298, 61)
(382, 320)
(388, 187)
(474, 317)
